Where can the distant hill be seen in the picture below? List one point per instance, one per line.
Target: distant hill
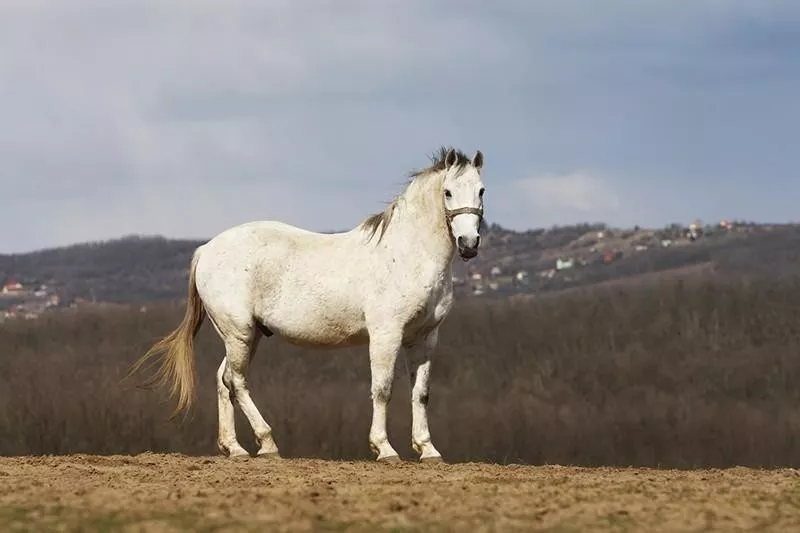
(140, 269)
(599, 253)
(130, 269)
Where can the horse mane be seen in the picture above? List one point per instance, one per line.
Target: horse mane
(437, 162)
(380, 221)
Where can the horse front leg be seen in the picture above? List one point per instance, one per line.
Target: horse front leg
(418, 357)
(383, 350)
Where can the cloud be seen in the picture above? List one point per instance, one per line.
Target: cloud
(139, 114)
(564, 199)
(185, 118)
(577, 192)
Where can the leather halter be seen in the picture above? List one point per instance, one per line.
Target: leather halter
(450, 214)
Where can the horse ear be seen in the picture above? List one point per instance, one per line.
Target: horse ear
(450, 159)
(477, 160)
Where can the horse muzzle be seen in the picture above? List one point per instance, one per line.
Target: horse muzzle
(468, 247)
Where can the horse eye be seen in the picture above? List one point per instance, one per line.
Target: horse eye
(448, 194)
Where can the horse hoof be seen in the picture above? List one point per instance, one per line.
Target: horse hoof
(271, 456)
(389, 459)
(239, 456)
(431, 460)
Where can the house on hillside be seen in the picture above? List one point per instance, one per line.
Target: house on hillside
(563, 264)
(477, 283)
(609, 256)
(41, 291)
(695, 230)
(12, 287)
(548, 273)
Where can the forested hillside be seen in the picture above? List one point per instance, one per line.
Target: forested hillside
(141, 269)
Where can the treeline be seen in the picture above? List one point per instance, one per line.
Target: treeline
(682, 374)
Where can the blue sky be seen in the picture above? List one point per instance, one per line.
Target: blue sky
(182, 119)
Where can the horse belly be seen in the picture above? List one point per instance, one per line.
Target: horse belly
(317, 325)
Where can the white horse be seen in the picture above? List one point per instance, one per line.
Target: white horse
(387, 282)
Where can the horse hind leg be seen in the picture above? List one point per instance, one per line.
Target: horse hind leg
(226, 440)
(226, 430)
(234, 377)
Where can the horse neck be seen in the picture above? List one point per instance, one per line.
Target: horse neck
(421, 221)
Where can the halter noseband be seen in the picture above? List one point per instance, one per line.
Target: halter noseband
(453, 213)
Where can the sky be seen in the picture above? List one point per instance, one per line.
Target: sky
(182, 119)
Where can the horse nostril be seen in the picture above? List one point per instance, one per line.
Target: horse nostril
(460, 241)
(477, 241)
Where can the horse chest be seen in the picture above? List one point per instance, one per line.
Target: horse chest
(431, 313)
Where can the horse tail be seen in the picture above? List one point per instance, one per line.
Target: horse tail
(177, 366)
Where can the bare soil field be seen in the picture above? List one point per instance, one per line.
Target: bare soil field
(157, 492)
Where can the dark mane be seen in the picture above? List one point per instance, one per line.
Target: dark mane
(437, 161)
(380, 221)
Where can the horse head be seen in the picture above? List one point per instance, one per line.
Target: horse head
(462, 194)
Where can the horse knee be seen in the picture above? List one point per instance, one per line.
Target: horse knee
(382, 390)
(233, 381)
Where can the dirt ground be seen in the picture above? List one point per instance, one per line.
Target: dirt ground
(152, 492)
